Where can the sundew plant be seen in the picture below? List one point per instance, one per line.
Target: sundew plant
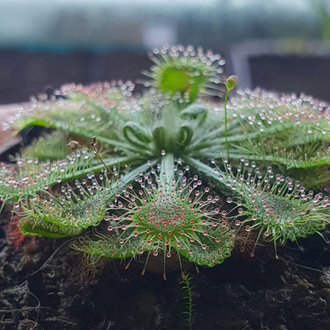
(176, 171)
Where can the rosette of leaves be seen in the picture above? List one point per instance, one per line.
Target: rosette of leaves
(174, 115)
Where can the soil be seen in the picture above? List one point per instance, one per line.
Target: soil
(259, 293)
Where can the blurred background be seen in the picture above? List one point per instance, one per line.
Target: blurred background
(279, 45)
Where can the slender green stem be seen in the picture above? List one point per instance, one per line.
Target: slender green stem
(186, 286)
(226, 128)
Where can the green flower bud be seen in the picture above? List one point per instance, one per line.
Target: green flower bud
(231, 82)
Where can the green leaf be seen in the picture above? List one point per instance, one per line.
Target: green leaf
(184, 75)
(185, 136)
(136, 136)
(273, 205)
(33, 177)
(45, 229)
(174, 80)
(109, 246)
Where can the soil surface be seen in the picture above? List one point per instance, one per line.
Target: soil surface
(259, 293)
